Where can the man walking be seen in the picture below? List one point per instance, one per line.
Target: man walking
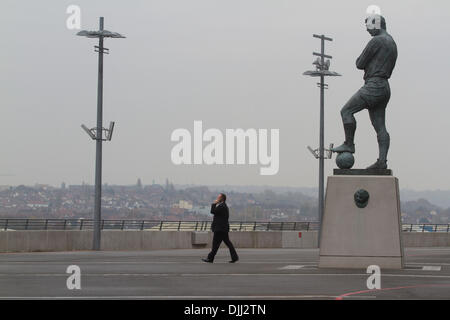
(220, 227)
(378, 61)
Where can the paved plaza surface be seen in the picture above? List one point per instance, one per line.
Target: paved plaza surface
(179, 274)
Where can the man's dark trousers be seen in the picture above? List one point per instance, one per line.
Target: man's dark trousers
(220, 226)
(220, 236)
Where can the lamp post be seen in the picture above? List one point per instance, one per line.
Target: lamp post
(97, 132)
(322, 71)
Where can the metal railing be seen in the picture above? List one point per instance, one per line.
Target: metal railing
(426, 227)
(157, 225)
(164, 225)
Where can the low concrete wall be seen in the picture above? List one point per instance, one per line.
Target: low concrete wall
(35, 241)
(300, 239)
(426, 239)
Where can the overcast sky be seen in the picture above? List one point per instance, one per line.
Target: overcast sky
(231, 64)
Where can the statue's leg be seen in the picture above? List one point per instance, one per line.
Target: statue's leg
(354, 105)
(378, 119)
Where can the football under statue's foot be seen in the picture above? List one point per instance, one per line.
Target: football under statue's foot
(344, 148)
(380, 164)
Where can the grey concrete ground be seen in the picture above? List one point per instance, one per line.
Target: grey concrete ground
(179, 274)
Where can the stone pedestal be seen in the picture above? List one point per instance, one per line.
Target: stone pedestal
(354, 237)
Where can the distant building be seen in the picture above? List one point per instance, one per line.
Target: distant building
(177, 211)
(185, 204)
(204, 210)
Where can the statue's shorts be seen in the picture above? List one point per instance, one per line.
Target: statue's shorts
(374, 96)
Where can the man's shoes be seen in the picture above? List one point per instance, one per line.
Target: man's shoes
(380, 164)
(344, 148)
(207, 260)
(233, 260)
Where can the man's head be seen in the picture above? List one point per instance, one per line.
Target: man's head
(221, 197)
(375, 23)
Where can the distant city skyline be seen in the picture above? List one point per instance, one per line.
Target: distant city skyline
(175, 203)
(212, 184)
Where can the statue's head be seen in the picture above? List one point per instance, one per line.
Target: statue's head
(375, 23)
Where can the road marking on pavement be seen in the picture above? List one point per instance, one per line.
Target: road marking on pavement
(431, 268)
(9, 275)
(292, 267)
(354, 293)
(152, 262)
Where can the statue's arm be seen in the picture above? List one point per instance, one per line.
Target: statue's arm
(367, 54)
